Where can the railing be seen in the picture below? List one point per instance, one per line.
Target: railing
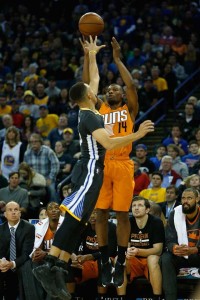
(181, 94)
(186, 89)
(159, 105)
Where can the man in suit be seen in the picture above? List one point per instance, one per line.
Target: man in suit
(170, 200)
(13, 256)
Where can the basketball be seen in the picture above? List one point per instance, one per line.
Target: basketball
(91, 24)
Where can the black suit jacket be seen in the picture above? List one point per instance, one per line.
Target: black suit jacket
(24, 235)
(163, 206)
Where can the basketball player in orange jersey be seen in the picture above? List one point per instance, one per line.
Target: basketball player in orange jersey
(117, 189)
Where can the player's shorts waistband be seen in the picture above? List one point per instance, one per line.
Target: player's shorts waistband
(114, 157)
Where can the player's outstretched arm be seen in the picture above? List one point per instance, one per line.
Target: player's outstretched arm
(131, 92)
(109, 143)
(85, 74)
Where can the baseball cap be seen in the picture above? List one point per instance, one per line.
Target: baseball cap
(29, 93)
(141, 146)
(43, 106)
(68, 130)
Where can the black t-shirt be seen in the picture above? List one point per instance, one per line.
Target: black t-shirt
(152, 233)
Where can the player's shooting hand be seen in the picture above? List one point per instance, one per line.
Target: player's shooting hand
(84, 45)
(92, 46)
(116, 49)
(146, 127)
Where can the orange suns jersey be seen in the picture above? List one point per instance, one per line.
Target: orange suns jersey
(117, 123)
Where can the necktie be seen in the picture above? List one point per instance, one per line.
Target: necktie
(12, 244)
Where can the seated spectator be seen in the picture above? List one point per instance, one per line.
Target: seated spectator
(160, 152)
(17, 116)
(11, 151)
(35, 184)
(2, 211)
(193, 156)
(46, 122)
(142, 258)
(65, 161)
(180, 48)
(146, 164)
(29, 108)
(169, 175)
(28, 127)
(18, 235)
(14, 191)
(176, 139)
(159, 82)
(56, 134)
(188, 121)
(172, 83)
(141, 179)
(177, 165)
(7, 121)
(86, 259)
(194, 101)
(4, 107)
(66, 190)
(52, 89)
(171, 200)
(192, 181)
(43, 160)
(72, 146)
(42, 213)
(156, 193)
(41, 97)
(182, 241)
(177, 68)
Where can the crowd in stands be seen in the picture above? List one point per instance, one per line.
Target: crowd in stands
(40, 59)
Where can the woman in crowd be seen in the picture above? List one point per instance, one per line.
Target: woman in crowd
(11, 152)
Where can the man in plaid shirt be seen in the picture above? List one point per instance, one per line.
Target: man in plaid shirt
(44, 161)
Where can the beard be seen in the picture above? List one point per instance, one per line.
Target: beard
(189, 209)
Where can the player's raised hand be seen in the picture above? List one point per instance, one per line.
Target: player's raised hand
(84, 45)
(116, 49)
(92, 46)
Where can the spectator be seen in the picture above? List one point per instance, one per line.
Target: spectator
(17, 116)
(11, 151)
(169, 175)
(177, 68)
(41, 97)
(65, 161)
(197, 136)
(146, 245)
(4, 107)
(42, 213)
(178, 166)
(52, 89)
(14, 191)
(192, 181)
(159, 82)
(160, 152)
(167, 37)
(148, 95)
(141, 179)
(146, 164)
(72, 146)
(188, 121)
(56, 134)
(172, 84)
(156, 193)
(182, 240)
(193, 156)
(177, 140)
(46, 122)
(43, 161)
(171, 200)
(124, 25)
(12, 282)
(29, 108)
(7, 122)
(28, 127)
(35, 184)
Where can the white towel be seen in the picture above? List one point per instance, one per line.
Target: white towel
(40, 230)
(180, 225)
